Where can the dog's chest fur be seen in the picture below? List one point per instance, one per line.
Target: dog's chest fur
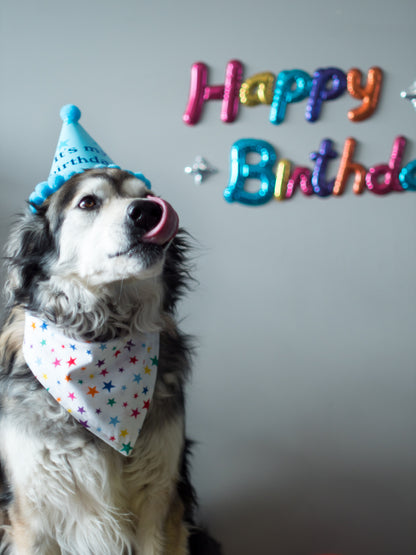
(69, 484)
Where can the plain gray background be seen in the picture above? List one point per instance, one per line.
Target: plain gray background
(303, 394)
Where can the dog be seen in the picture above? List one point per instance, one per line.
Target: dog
(101, 260)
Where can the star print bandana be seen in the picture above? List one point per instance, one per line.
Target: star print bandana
(106, 387)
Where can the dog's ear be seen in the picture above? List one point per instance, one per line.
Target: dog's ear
(29, 252)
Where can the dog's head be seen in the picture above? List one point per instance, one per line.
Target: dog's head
(109, 228)
(102, 234)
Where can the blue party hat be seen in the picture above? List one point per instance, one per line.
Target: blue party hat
(76, 152)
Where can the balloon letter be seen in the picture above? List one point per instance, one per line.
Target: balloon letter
(368, 94)
(257, 89)
(348, 167)
(291, 86)
(321, 92)
(241, 171)
(282, 177)
(390, 172)
(200, 92)
(301, 177)
(322, 187)
(408, 176)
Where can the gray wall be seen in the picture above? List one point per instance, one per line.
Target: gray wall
(303, 395)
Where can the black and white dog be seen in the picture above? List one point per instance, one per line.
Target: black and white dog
(100, 261)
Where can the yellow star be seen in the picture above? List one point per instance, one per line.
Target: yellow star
(91, 376)
(33, 325)
(149, 349)
(147, 370)
(45, 377)
(124, 433)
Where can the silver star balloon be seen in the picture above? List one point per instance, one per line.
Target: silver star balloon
(410, 94)
(200, 169)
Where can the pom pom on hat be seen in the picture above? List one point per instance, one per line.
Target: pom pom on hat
(70, 113)
(76, 152)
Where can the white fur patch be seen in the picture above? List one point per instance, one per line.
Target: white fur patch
(94, 244)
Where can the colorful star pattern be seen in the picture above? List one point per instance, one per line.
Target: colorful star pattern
(107, 387)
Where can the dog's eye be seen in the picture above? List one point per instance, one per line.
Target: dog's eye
(88, 203)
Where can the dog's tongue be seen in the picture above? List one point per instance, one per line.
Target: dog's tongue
(167, 227)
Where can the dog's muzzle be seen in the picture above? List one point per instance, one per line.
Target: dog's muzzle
(155, 217)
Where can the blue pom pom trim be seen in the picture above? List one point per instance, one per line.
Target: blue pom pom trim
(45, 189)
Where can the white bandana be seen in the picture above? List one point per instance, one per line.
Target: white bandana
(107, 387)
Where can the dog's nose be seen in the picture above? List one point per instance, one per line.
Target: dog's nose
(144, 214)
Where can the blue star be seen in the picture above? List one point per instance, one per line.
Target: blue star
(44, 326)
(108, 385)
(73, 347)
(114, 421)
(145, 390)
(39, 361)
(103, 346)
(63, 143)
(137, 378)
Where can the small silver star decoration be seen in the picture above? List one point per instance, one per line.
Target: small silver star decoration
(200, 169)
(410, 94)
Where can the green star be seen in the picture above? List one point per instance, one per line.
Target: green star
(111, 402)
(155, 361)
(127, 448)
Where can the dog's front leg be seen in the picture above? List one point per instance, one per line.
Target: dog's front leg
(157, 508)
(22, 538)
(162, 532)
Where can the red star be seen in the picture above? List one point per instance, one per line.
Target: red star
(146, 404)
(134, 413)
(133, 360)
(71, 361)
(117, 353)
(104, 372)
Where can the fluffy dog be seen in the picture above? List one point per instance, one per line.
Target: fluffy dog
(100, 260)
